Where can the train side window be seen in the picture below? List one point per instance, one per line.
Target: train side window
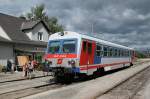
(129, 53)
(98, 50)
(116, 52)
(119, 52)
(105, 51)
(89, 48)
(124, 53)
(110, 52)
(84, 46)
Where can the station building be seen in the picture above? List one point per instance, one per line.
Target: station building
(19, 37)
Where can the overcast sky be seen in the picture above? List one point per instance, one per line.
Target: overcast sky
(126, 22)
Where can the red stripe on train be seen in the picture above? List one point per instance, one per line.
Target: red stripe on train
(101, 65)
(61, 56)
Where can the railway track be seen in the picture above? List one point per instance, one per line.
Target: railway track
(129, 88)
(30, 91)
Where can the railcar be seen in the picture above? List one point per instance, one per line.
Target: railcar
(72, 54)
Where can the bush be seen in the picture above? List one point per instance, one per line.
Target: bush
(1, 67)
(39, 67)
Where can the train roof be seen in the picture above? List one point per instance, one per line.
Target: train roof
(70, 34)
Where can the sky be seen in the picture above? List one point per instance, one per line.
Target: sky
(125, 22)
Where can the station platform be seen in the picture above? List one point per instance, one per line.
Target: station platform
(16, 76)
(91, 89)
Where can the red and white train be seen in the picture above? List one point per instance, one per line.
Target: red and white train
(73, 54)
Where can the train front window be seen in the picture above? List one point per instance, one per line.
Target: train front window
(69, 46)
(54, 47)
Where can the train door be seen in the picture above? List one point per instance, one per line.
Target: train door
(84, 54)
(87, 54)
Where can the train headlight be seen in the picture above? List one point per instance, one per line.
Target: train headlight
(69, 62)
(50, 62)
(72, 62)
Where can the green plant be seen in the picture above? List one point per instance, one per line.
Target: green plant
(1, 68)
(39, 67)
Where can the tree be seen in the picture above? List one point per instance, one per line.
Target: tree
(39, 13)
(22, 17)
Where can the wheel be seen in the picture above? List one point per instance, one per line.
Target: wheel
(83, 77)
(98, 73)
(65, 79)
(68, 78)
(131, 64)
(58, 79)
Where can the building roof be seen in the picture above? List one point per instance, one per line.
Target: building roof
(13, 27)
(29, 24)
(3, 39)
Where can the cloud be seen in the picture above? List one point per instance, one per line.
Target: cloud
(125, 22)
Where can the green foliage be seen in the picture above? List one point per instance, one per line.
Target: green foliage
(38, 13)
(140, 55)
(1, 67)
(22, 17)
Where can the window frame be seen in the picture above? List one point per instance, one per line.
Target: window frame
(68, 40)
(40, 36)
(105, 52)
(100, 51)
(49, 46)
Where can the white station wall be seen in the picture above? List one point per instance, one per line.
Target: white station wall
(6, 52)
(40, 28)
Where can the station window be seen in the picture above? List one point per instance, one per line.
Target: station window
(40, 36)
